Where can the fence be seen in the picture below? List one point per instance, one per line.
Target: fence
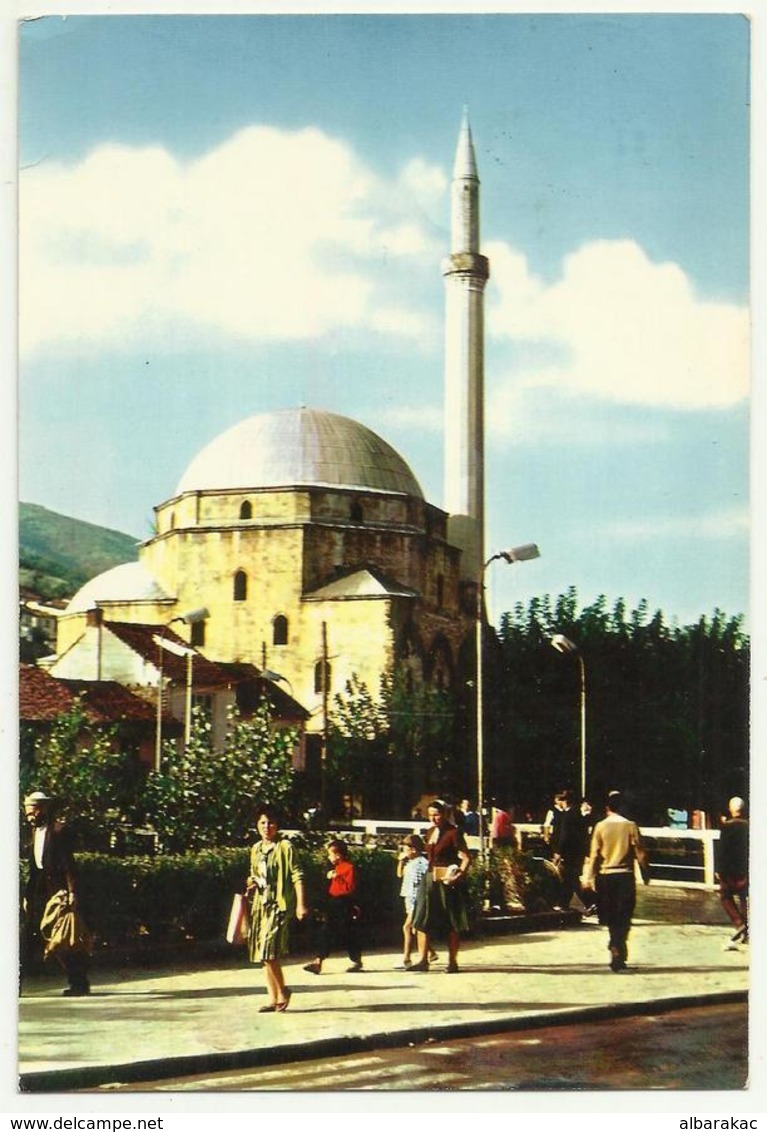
(677, 856)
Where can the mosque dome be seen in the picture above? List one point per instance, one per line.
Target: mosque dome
(129, 582)
(297, 448)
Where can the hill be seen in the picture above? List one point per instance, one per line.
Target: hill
(58, 554)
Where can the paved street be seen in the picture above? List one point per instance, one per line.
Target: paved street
(701, 1048)
(149, 1025)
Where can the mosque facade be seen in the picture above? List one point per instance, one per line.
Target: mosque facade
(306, 540)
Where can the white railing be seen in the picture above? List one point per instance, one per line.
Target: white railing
(693, 849)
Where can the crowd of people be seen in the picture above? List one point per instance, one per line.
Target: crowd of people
(596, 862)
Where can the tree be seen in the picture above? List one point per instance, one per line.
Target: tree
(202, 797)
(83, 766)
(392, 749)
(667, 706)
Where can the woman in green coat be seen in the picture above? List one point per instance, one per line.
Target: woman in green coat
(275, 888)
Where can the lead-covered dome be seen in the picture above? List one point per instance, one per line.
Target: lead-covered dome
(129, 582)
(297, 448)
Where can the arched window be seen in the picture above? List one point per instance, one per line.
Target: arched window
(246, 510)
(280, 630)
(318, 672)
(240, 586)
(356, 513)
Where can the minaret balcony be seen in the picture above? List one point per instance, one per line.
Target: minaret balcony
(467, 263)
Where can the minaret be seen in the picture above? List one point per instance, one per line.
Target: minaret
(466, 273)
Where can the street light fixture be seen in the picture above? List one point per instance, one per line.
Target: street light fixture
(276, 678)
(522, 553)
(564, 645)
(190, 618)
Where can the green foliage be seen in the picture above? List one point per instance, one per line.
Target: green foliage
(667, 707)
(85, 767)
(59, 554)
(202, 797)
(388, 750)
(520, 882)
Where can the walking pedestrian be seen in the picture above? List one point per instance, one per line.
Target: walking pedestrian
(732, 872)
(570, 846)
(339, 925)
(616, 846)
(275, 887)
(440, 906)
(412, 867)
(52, 870)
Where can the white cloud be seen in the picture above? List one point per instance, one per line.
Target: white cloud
(626, 329)
(723, 524)
(411, 418)
(272, 235)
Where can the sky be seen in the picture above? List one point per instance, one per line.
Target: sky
(226, 215)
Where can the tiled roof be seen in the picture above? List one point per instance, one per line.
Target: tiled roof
(141, 639)
(43, 697)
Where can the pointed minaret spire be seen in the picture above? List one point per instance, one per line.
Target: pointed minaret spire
(466, 273)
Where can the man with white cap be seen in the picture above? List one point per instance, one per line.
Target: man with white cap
(732, 870)
(51, 869)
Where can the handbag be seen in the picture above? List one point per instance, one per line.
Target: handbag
(63, 929)
(238, 929)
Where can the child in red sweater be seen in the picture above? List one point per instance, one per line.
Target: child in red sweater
(340, 925)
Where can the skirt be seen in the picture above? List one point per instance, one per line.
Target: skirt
(439, 908)
(269, 937)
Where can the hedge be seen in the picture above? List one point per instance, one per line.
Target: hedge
(178, 899)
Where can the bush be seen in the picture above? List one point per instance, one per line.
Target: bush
(175, 900)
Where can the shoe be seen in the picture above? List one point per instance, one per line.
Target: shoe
(268, 1009)
(281, 1007)
(77, 992)
(421, 965)
(617, 964)
(452, 968)
(405, 965)
(592, 911)
(313, 968)
(741, 933)
(354, 968)
(432, 956)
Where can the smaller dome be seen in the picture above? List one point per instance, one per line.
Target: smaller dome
(129, 582)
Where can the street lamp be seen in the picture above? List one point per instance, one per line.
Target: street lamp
(517, 554)
(189, 618)
(277, 678)
(565, 645)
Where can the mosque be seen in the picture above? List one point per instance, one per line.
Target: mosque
(303, 539)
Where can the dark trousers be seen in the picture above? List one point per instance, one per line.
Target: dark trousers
(616, 899)
(571, 869)
(338, 929)
(733, 894)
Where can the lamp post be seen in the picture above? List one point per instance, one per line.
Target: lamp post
(517, 554)
(189, 618)
(565, 645)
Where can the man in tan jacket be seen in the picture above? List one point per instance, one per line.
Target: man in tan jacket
(616, 848)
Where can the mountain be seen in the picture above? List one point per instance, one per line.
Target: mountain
(58, 554)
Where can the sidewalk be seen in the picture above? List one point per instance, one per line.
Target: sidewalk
(141, 1025)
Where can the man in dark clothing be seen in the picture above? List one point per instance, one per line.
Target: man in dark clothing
(570, 844)
(51, 870)
(732, 873)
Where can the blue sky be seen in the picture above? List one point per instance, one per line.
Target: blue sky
(226, 215)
